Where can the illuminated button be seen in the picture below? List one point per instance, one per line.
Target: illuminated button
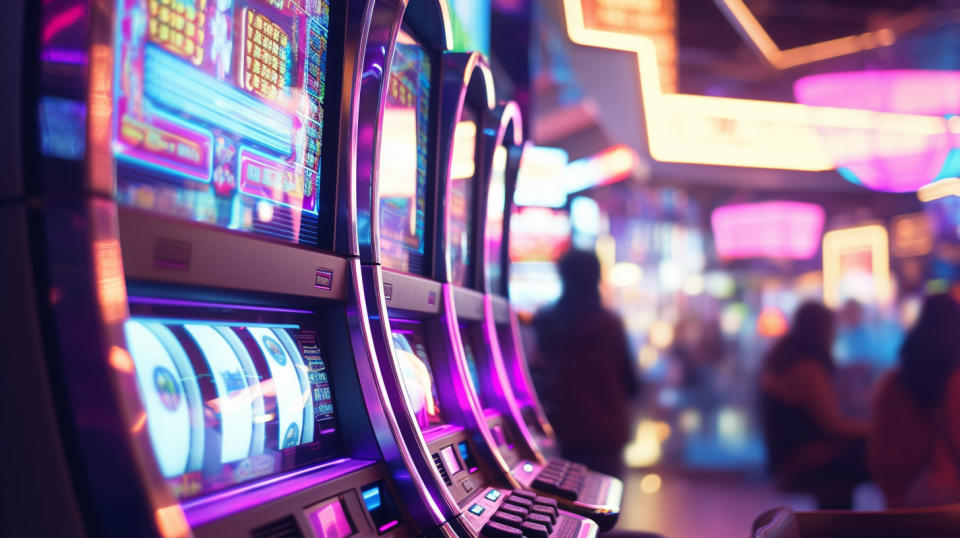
(476, 509)
(492, 495)
(528, 467)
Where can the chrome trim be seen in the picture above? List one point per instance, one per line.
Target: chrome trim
(496, 358)
(503, 117)
(467, 398)
(403, 448)
(610, 504)
(458, 72)
(520, 363)
(403, 424)
(377, 57)
(588, 529)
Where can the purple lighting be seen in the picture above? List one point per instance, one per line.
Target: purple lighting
(881, 159)
(777, 229)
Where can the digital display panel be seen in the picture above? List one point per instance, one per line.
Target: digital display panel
(218, 111)
(402, 161)
(493, 235)
(472, 366)
(230, 402)
(328, 519)
(460, 228)
(419, 387)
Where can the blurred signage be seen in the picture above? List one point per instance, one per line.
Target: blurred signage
(911, 235)
(774, 229)
(652, 19)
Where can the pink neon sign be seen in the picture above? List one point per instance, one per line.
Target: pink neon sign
(778, 229)
(881, 158)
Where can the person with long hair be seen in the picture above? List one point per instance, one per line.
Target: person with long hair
(914, 444)
(812, 446)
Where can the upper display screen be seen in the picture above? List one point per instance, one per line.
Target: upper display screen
(403, 158)
(414, 363)
(219, 111)
(231, 402)
(460, 231)
(493, 235)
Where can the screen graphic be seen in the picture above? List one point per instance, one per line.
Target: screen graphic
(228, 402)
(403, 158)
(460, 230)
(418, 383)
(493, 235)
(219, 111)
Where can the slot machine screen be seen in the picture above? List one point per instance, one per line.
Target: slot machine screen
(472, 366)
(402, 161)
(230, 401)
(493, 235)
(409, 342)
(460, 230)
(218, 111)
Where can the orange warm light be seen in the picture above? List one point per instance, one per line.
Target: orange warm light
(771, 323)
(700, 129)
(121, 360)
(111, 288)
(838, 243)
(747, 24)
(171, 522)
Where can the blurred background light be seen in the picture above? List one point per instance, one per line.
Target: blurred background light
(775, 229)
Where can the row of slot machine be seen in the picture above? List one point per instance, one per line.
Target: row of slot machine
(255, 279)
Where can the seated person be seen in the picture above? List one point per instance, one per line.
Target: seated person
(914, 443)
(812, 446)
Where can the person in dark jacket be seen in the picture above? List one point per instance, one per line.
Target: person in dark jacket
(586, 368)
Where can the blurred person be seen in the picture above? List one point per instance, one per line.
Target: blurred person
(914, 444)
(586, 368)
(812, 446)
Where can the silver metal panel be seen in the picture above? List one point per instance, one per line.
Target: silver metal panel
(501, 310)
(408, 292)
(161, 249)
(469, 304)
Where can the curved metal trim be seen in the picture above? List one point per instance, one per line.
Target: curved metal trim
(520, 359)
(400, 442)
(377, 57)
(503, 117)
(503, 380)
(459, 70)
(467, 399)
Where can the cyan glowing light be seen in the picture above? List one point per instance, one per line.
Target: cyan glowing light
(371, 498)
(882, 157)
(177, 85)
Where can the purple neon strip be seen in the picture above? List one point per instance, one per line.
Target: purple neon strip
(64, 56)
(218, 505)
(327, 431)
(205, 304)
(388, 526)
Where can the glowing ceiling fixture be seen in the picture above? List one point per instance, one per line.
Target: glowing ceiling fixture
(886, 160)
(775, 229)
(744, 21)
(871, 239)
(939, 189)
(700, 129)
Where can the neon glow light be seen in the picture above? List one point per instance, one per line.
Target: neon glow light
(871, 239)
(540, 177)
(174, 83)
(777, 229)
(609, 166)
(887, 160)
(939, 189)
(750, 28)
(765, 134)
(169, 144)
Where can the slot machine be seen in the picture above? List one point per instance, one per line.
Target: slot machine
(190, 334)
(500, 374)
(416, 339)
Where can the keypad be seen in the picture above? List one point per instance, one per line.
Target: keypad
(524, 513)
(561, 478)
